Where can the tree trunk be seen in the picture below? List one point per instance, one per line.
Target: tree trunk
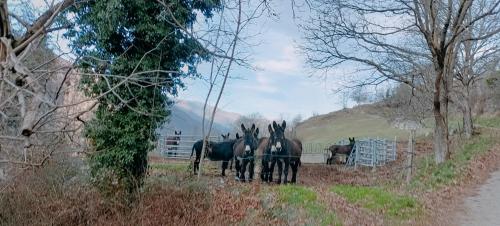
(441, 148)
(467, 118)
(440, 108)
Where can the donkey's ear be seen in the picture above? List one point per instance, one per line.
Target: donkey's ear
(243, 127)
(237, 136)
(222, 135)
(283, 125)
(270, 129)
(253, 126)
(228, 135)
(180, 132)
(275, 125)
(257, 132)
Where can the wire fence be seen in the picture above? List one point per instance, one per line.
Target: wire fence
(385, 157)
(179, 146)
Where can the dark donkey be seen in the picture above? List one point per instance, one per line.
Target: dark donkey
(171, 142)
(340, 149)
(215, 151)
(283, 151)
(244, 152)
(197, 146)
(232, 159)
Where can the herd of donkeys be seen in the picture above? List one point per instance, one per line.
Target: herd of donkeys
(273, 150)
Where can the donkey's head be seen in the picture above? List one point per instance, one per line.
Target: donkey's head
(225, 137)
(351, 141)
(277, 136)
(249, 139)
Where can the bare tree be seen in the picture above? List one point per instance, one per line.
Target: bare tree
(33, 83)
(292, 128)
(254, 118)
(41, 108)
(359, 95)
(397, 40)
(476, 58)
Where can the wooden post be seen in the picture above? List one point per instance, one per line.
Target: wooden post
(411, 147)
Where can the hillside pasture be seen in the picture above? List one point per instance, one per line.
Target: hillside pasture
(336, 126)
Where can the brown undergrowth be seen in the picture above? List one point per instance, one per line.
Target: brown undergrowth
(60, 194)
(46, 197)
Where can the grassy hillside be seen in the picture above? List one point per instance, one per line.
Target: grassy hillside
(356, 122)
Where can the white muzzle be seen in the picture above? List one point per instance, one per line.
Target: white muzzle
(278, 145)
(247, 148)
(273, 148)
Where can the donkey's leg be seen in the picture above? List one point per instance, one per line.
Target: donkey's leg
(224, 167)
(271, 170)
(285, 170)
(196, 164)
(243, 169)
(280, 170)
(295, 166)
(231, 164)
(251, 170)
(237, 167)
(264, 172)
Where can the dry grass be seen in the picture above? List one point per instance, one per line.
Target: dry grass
(60, 195)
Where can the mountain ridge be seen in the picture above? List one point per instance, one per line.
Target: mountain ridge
(186, 116)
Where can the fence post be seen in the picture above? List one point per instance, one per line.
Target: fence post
(356, 155)
(411, 147)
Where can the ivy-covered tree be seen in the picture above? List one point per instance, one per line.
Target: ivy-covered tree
(134, 54)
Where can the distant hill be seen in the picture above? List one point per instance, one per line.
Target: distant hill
(362, 121)
(187, 117)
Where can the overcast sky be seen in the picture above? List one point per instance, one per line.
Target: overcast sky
(282, 86)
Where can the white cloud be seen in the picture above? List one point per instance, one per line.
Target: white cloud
(260, 89)
(285, 62)
(263, 84)
(262, 79)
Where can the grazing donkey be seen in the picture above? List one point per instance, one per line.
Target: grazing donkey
(244, 152)
(283, 151)
(340, 149)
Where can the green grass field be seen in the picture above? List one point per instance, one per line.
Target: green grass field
(400, 207)
(324, 129)
(363, 122)
(293, 197)
(431, 176)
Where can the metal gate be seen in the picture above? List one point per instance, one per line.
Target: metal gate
(179, 146)
(373, 152)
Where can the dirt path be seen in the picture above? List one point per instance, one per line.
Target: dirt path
(483, 208)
